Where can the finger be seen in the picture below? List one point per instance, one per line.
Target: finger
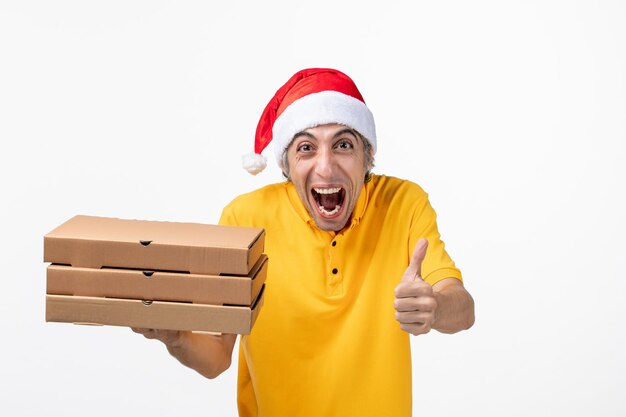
(415, 329)
(427, 304)
(417, 288)
(151, 334)
(415, 317)
(414, 269)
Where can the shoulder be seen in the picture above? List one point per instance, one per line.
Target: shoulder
(268, 193)
(388, 188)
(244, 209)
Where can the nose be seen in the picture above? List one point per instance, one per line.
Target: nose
(324, 163)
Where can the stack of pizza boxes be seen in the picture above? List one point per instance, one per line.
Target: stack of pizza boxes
(158, 275)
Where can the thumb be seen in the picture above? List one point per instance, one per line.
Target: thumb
(414, 270)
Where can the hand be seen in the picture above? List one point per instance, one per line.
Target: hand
(171, 338)
(415, 301)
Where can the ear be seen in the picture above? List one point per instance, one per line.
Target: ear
(285, 166)
(370, 165)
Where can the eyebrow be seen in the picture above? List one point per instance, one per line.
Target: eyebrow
(344, 131)
(303, 133)
(336, 135)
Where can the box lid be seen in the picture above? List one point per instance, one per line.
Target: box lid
(157, 285)
(96, 242)
(155, 315)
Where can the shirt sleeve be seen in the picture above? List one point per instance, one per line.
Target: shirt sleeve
(437, 264)
(228, 216)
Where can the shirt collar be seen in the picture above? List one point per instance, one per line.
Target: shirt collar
(362, 202)
(296, 203)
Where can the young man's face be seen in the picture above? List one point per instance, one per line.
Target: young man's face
(327, 168)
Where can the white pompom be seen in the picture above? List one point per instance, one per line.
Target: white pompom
(254, 162)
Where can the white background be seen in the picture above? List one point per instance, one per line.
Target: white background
(511, 114)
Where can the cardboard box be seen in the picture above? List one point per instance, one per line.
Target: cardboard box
(96, 242)
(154, 315)
(157, 285)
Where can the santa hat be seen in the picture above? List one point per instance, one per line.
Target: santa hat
(310, 98)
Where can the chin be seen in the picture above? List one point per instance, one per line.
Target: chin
(330, 225)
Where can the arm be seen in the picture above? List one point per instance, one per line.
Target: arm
(446, 306)
(209, 355)
(455, 306)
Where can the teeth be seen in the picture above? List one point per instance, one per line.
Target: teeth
(329, 213)
(327, 190)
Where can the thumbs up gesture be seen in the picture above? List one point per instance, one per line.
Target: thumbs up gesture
(415, 301)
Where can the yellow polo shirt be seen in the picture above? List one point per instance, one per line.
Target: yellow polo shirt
(326, 342)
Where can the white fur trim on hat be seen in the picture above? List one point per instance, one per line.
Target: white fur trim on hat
(253, 162)
(318, 109)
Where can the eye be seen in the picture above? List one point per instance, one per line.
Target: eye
(304, 147)
(345, 144)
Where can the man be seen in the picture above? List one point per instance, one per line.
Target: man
(356, 264)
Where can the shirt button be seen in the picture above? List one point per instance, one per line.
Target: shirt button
(335, 270)
(334, 243)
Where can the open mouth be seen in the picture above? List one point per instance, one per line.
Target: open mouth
(328, 200)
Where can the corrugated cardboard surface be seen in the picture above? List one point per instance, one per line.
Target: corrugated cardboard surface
(96, 242)
(157, 315)
(157, 285)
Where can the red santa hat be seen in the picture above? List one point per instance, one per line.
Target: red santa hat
(310, 98)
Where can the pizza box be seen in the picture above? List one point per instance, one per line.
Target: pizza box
(200, 249)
